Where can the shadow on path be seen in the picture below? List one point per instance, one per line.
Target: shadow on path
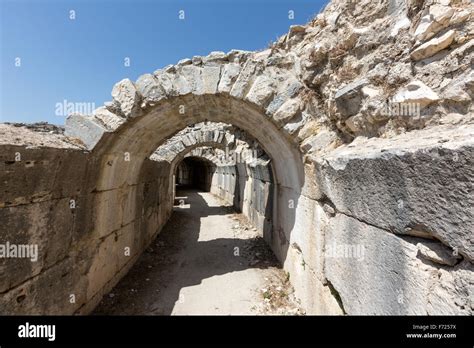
(197, 243)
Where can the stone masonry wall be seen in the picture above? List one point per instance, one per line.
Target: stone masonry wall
(372, 99)
(47, 200)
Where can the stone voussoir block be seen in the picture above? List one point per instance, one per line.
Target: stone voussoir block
(127, 96)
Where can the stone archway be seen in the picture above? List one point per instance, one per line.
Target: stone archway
(235, 89)
(225, 146)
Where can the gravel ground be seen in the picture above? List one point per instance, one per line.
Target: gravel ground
(207, 260)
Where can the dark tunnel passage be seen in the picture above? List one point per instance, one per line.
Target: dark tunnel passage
(195, 172)
(211, 257)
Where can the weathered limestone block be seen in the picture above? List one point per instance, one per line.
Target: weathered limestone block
(184, 61)
(296, 124)
(459, 17)
(192, 74)
(230, 72)
(260, 171)
(322, 141)
(210, 78)
(288, 110)
(126, 94)
(214, 58)
(110, 257)
(47, 226)
(242, 83)
(433, 46)
(310, 223)
(453, 291)
(261, 91)
(417, 183)
(180, 85)
(150, 88)
(286, 89)
(460, 89)
(34, 297)
(436, 19)
(25, 180)
(416, 92)
(437, 253)
(86, 128)
(348, 99)
(109, 120)
(399, 73)
(377, 272)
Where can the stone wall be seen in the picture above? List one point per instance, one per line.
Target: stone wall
(44, 198)
(387, 226)
(249, 190)
(48, 199)
(247, 185)
(366, 114)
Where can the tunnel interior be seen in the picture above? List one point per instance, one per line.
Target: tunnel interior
(228, 163)
(195, 172)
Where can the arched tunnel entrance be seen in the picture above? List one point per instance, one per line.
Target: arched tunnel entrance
(369, 213)
(134, 193)
(211, 257)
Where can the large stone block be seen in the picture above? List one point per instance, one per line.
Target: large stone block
(210, 79)
(86, 128)
(150, 88)
(316, 298)
(349, 98)
(45, 295)
(230, 73)
(419, 183)
(24, 180)
(45, 226)
(377, 272)
(127, 96)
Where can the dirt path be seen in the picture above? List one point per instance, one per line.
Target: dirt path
(205, 261)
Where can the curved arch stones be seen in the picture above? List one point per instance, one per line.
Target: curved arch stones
(239, 88)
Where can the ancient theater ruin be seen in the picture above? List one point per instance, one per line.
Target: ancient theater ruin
(346, 148)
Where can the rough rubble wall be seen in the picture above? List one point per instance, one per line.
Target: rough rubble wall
(383, 68)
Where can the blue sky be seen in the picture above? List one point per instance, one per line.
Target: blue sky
(79, 60)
